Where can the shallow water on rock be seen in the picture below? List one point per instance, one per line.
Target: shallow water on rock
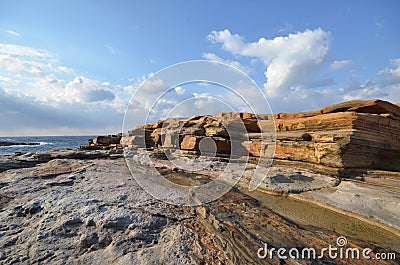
(312, 216)
(306, 214)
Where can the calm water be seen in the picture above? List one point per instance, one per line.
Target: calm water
(46, 143)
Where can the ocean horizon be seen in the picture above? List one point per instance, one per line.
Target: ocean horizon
(45, 143)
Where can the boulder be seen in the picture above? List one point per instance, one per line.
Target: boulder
(106, 140)
(222, 145)
(104, 143)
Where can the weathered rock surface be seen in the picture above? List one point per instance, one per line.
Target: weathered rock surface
(91, 211)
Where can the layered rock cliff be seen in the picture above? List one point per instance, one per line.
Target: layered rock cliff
(350, 135)
(354, 134)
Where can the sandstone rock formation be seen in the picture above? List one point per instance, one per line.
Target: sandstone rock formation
(349, 135)
(354, 134)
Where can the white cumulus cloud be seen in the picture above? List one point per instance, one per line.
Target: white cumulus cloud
(292, 61)
(82, 89)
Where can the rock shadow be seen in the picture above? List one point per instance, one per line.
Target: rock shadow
(291, 179)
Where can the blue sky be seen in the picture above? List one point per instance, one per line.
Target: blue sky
(70, 67)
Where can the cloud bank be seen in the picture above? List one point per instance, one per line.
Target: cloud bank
(38, 95)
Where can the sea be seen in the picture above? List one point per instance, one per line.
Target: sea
(45, 143)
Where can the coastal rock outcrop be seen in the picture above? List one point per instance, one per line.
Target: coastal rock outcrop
(109, 142)
(349, 135)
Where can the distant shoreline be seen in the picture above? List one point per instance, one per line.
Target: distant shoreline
(6, 143)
